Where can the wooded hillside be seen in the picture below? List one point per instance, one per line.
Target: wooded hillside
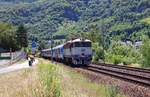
(120, 18)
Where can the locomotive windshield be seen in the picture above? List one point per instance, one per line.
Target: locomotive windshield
(82, 44)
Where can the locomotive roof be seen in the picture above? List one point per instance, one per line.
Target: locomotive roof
(62, 45)
(59, 46)
(79, 40)
(46, 49)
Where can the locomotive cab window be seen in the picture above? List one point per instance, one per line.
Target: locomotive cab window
(82, 44)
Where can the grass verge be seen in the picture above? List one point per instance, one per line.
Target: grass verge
(39, 81)
(49, 81)
(77, 85)
(52, 80)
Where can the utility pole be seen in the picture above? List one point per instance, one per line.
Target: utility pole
(10, 56)
(103, 40)
(51, 47)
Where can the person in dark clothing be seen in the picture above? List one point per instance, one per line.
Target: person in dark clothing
(27, 56)
(30, 61)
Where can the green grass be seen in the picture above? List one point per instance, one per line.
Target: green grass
(49, 80)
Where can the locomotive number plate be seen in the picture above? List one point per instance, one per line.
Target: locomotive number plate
(82, 50)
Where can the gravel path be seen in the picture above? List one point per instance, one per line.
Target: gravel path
(3, 63)
(16, 67)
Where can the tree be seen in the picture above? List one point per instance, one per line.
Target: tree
(22, 36)
(95, 36)
(8, 37)
(41, 45)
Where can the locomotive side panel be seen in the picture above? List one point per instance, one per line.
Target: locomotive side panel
(68, 53)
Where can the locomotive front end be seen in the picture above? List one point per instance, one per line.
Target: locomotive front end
(81, 52)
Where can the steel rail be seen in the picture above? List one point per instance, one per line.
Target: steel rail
(143, 70)
(134, 78)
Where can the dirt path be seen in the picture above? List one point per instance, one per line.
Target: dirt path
(16, 67)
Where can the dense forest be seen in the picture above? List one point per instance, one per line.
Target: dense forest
(17, 1)
(123, 19)
(107, 23)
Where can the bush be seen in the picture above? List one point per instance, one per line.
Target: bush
(127, 60)
(120, 53)
(116, 59)
(112, 58)
(98, 52)
(145, 50)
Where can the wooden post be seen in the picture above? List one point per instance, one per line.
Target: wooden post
(10, 56)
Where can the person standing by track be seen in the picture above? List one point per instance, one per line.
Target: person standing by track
(31, 60)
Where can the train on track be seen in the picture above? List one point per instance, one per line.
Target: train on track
(75, 52)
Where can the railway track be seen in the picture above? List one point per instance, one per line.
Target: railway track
(125, 67)
(131, 74)
(135, 75)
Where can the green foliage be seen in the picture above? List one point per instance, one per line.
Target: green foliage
(120, 53)
(28, 50)
(145, 50)
(67, 28)
(94, 35)
(22, 36)
(98, 51)
(11, 37)
(41, 45)
(120, 49)
(121, 27)
(43, 17)
(111, 58)
(97, 44)
(8, 37)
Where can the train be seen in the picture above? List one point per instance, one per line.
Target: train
(77, 52)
